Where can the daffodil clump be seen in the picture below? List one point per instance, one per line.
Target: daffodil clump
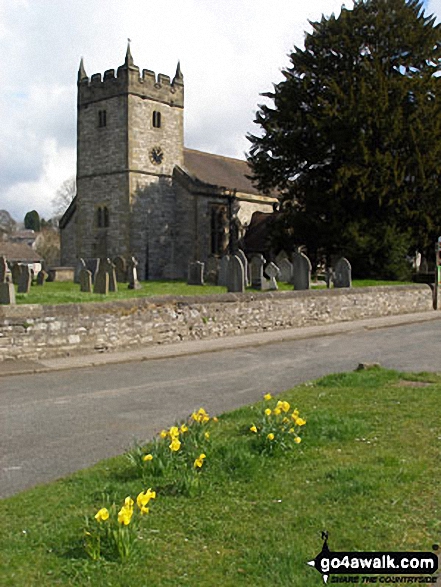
(115, 531)
(277, 426)
(179, 453)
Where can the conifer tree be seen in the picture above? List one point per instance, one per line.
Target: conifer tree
(353, 139)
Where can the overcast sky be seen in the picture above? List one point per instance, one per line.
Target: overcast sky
(230, 52)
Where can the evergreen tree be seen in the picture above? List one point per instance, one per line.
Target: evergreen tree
(353, 141)
(32, 221)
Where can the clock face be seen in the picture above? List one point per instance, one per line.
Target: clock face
(156, 155)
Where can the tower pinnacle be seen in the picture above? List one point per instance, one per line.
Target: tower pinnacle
(82, 75)
(179, 78)
(129, 59)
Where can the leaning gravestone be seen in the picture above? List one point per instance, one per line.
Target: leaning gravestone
(41, 277)
(301, 271)
(107, 266)
(132, 274)
(280, 257)
(120, 269)
(223, 270)
(235, 275)
(257, 265)
(25, 279)
(195, 273)
(101, 285)
(15, 272)
(285, 267)
(211, 270)
(3, 269)
(244, 260)
(79, 267)
(272, 271)
(342, 273)
(86, 280)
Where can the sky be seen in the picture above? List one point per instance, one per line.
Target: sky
(230, 51)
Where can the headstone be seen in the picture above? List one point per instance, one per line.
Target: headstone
(235, 275)
(120, 269)
(272, 271)
(223, 270)
(244, 260)
(106, 266)
(101, 285)
(342, 273)
(79, 267)
(7, 293)
(3, 269)
(132, 274)
(41, 277)
(329, 277)
(25, 279)
(15, 272)
(301, 271)
(280, 257)
(92, 265)
(257, 265)
(86, 280)
(211, 272)
(285, 267)
(195, 273)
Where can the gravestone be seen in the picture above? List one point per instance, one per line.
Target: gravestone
(280, 257)
(257, 265)
(285, 267)
(25, 279)
(223, 270)
(120, 269)
(92, 265)
(244, 260)
(235, 275)
(15, 272)
(211, 270)
(195, 273)
(342, 273)
(79, 267)
(41, 277)
(301, 271)
(3, 269)
(106, 265)
(132, 274)
(86, 280)
(272, 271)
(7, 293)
(101, 285)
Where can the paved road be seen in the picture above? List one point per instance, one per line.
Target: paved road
(61, 419)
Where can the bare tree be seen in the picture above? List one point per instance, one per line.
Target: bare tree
(7, 224)
(47, 245)
(64, 196)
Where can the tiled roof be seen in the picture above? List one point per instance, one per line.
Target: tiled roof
(18, 252)
(219, 171)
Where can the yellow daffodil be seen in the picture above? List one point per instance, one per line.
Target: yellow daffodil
(199, 461)
(270, 436)
(267, 397)
(253, 428)
(207, 435)
(125, 515)
(175, 445)
(285, 420)
(163, 434)
(300, 422)
(283, 405)
(295, 414)
(184, 428)
(102, 515)
(148, 457)
(128, 502)
(277, 411)
(291, 431)
(174, 432)
(200, 416)
(144, 497)
(268, 412)
(144, 510)
(215, 419)
(297, 440)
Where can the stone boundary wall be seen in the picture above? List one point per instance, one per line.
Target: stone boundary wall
(36, 331)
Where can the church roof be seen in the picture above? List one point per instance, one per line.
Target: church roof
(219, 171)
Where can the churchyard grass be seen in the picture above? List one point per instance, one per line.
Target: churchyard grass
(367, 471)
(67, 292)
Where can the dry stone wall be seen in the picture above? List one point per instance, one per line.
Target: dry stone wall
(37, 331)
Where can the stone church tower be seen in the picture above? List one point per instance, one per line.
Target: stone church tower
(139, 191)
(129, 139)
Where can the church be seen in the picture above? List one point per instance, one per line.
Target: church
(140, 192)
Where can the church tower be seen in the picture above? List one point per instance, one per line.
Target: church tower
(129, 140)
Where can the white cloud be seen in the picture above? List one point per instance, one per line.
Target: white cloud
(230, 52)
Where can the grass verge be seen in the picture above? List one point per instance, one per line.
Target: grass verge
(367, 471)
(67, 293)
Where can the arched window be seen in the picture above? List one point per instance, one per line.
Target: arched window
(102, 217)
(156, 119)
(102, 118)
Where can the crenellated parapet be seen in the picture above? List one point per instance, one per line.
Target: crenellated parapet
(129, 80)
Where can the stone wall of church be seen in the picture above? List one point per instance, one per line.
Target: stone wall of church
(68, 246)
